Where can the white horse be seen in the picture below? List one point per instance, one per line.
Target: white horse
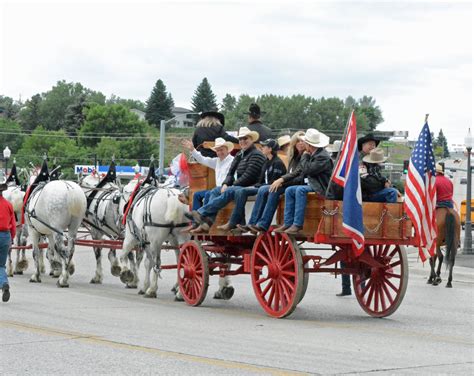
(152, 222)
(15, 195)
(103, 219)
(51, 209)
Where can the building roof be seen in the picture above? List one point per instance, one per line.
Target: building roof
(175, 110)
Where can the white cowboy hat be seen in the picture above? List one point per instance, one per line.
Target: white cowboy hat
(219, 142)
(245, 132)
(284, 140)
(334, 148)
(375, 156)
(315, 138)
(439, 169)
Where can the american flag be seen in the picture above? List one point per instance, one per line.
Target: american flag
(420, 193)
(346, 174)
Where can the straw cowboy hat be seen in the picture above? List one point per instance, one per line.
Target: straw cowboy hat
(315, 138)
(284, 140)
(375, 156)
(439, 168)
(334, 148)
(219, 142)
(245, 132)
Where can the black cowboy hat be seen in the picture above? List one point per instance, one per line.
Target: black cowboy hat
(254, 111)
(215, 114)
(366, 138)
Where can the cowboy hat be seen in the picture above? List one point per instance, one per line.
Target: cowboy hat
(375, 156)
(254, 110)
(334, 148)
(219, 142)
(214, 114)
(368, 137)
(439, 168)
(284, 140)
(245, 132)
(315, 138)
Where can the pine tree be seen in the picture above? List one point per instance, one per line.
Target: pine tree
(160, 104)
(204, 99)
(441, 141)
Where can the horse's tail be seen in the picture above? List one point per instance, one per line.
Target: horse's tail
(450, 238)
(174, 210)
(77, 203)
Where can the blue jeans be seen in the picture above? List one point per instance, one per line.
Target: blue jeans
(240, 199)
(5, 242)
(445, 204)
(384, 195)
(295, 204)
(265, 207)
(217, 201)
(200, 198)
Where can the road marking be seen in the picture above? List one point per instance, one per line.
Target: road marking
(88, 338)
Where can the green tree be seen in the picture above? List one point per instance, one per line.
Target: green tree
(129, 103)
(8, 107)
(74, 117)
(56, 101)
(29, 116)
(228, 104)
(160, 104)
(10, 135)
(203, 99)
(131, 138)
(442, 142)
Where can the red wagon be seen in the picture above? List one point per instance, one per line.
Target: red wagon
(279, 265)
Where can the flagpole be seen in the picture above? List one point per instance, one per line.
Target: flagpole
(426, 118)
(339, 151)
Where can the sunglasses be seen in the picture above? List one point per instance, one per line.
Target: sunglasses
(244, 138)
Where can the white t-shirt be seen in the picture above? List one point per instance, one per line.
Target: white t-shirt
(221, 167)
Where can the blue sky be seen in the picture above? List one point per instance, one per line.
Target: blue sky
(413, 57)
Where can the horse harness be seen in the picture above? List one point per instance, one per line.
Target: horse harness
(147, 195)
(96, 222)
(32, 214)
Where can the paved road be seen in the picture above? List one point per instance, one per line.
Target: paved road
(107, 329)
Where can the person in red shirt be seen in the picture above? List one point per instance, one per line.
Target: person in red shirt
(7, 233)
(444, 189)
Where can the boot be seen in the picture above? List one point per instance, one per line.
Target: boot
(227, 227)
(293, 230)
(344, 293)
(201, 229)
(6, 293)
(254, 229)
(282, 228)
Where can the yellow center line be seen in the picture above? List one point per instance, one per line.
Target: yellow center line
(88, 338)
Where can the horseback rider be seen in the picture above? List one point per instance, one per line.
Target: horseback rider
(444, 189)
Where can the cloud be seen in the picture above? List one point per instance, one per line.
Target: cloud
(413, 57)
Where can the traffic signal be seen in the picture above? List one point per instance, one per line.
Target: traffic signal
(405, 166)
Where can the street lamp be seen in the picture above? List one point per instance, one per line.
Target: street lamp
(468, 226)
(6, 155)
(161, 161)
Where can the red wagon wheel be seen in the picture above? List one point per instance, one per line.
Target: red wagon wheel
(380, 290)
(193, 273)
(277, 273)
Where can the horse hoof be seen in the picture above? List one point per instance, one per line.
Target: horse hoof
(141, 292)
(33, 280)
(23, 265)
(126, 276)
(449, 285)
(226, 293)
(129, 286)
(17, 273)
(61, 285)
(150, 294)
(429, 282)
(96, 281)
(115, 270)
(178, 298)
(174, 289)
(71, 269)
